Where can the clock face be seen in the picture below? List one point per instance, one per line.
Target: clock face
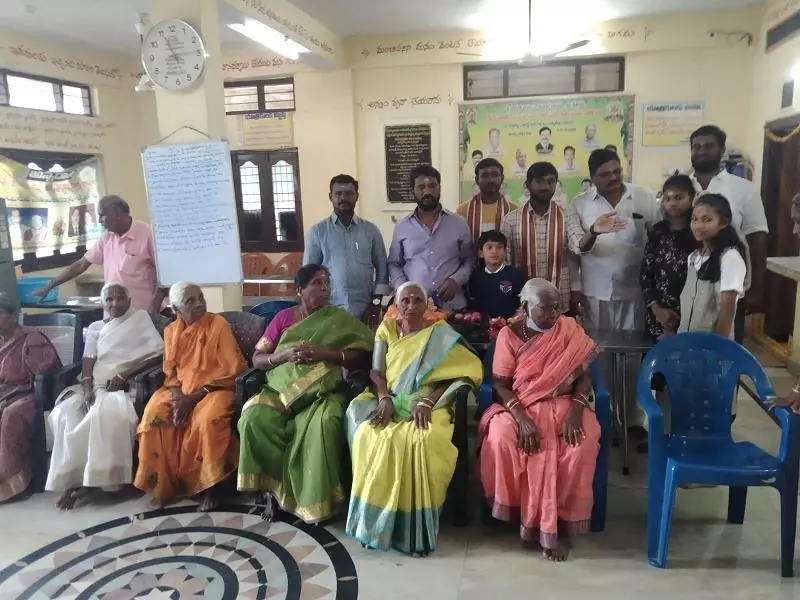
(173, 55)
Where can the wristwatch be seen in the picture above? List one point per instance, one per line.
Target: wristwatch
(591, 230)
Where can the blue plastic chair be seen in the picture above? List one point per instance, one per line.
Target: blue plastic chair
(486, 392)
(602, 410)
(701, 372)
(271, 308)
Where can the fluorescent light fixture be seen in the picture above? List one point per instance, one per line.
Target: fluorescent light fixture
(269, 37)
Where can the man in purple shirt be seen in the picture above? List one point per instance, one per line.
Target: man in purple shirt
(432, 246)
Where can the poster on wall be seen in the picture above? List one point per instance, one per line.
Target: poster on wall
(49, 210)
(559, 130)
(406, 147)
(669, 124)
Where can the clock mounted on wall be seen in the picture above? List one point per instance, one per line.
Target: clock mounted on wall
(173, 55)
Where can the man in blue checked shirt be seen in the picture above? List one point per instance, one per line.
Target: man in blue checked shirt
(352, 250)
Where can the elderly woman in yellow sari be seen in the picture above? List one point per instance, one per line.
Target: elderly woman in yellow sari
(186, 441)
(292, 441)
(400, 432)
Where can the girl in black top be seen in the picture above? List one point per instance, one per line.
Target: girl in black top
(666, 255)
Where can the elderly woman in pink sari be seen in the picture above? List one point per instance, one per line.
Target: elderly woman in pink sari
(24, 353)
(538, 446)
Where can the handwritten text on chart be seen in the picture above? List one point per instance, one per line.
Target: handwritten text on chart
(297, 28)
(190, 198)
(65, 63)
(426, 46)
(397, 103)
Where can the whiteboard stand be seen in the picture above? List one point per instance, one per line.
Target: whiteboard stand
(193, 213)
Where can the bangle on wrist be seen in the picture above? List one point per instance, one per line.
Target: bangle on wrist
(386, 397)
(343, 359)
(269, 361)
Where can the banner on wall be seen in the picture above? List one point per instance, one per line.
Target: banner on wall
(559, 130)
(669, 124)
(50, 210)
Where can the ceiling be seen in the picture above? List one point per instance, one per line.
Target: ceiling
(108, 24)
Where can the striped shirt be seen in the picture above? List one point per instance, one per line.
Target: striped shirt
(569, 279)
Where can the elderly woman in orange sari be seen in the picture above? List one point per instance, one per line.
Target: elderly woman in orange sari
(539, 444)
(186, 441)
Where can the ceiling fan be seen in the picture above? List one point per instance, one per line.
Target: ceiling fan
(530, 59)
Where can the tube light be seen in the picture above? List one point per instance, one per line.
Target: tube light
(269, 37)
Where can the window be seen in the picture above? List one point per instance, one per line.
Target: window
(54, 162)
(509, 80)
(259, 96)
(267, 186)
(41, 93)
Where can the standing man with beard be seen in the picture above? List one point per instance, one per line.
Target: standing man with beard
(537, 238)
(749, 220)
(607, 226)
(432, 246)
(488, 207)
(352, 250)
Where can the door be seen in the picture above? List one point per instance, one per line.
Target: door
(780, 182)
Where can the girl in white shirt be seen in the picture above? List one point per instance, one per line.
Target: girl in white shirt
(717, 271)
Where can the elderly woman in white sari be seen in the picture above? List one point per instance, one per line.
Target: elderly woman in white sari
(94, 422)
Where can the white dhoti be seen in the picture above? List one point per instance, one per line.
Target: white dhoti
(93, 449)
(615, 315)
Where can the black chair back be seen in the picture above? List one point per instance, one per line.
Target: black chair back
(247, 329)
(63, 330)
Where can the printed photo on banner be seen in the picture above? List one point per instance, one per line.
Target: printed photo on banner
(50, 209)
(559, 130)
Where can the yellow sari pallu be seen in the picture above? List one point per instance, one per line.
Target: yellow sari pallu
(401, 473)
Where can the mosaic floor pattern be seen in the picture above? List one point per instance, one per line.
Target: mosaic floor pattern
(181, 554)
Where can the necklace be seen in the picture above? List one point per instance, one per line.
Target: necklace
(524, 330)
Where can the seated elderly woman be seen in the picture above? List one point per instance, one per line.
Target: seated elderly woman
(94, 423)
(400, 432)
(186, 442)
(24, 354)
(538, 448)
(291, 433)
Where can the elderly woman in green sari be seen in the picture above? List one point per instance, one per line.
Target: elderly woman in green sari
(291, 433)
(400, 432)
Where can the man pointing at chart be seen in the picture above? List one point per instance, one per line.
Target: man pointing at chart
(125, 251)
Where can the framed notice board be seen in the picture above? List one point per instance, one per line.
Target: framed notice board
(405, 147)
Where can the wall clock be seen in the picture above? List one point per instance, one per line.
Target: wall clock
(173, 55)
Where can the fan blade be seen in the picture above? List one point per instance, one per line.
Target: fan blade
(573, 46)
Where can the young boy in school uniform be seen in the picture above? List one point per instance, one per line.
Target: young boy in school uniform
(494, 288)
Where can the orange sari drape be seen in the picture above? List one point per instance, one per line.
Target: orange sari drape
(180, 463)
(555, 484)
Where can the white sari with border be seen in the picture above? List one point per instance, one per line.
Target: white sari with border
(95, 448)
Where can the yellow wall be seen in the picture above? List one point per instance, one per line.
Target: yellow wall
(770, 71)
(124, 121)
(339, 128)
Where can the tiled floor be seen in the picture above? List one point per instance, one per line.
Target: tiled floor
(708, 559)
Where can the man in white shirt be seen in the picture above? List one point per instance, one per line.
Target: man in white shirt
(749, 220)
(607, 226)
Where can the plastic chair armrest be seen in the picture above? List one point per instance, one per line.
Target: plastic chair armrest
(602, 397)
(248, 384)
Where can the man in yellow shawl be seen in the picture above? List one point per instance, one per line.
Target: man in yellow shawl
(400, 433)
(186, 441)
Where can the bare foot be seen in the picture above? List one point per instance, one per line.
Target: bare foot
(67, 499)
(208, 502)
(422, 554)
(557, 554)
